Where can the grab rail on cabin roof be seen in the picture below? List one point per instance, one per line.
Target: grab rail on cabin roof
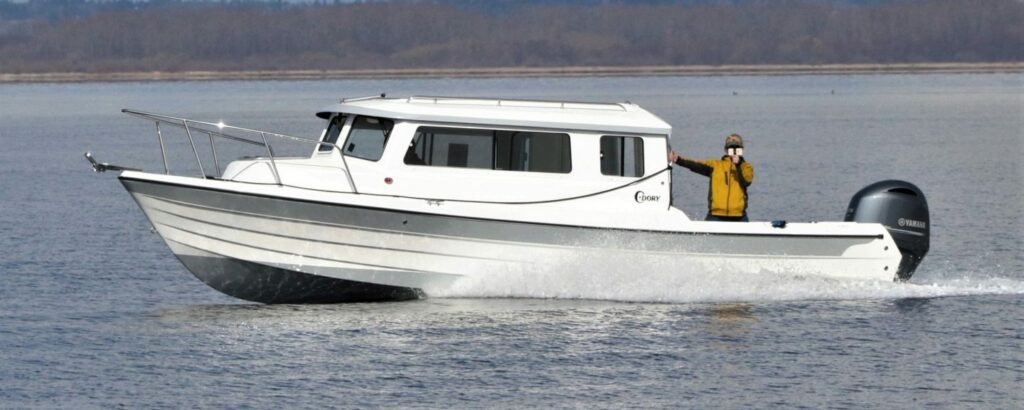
(200, 126)
(582, 105)
(585, 105)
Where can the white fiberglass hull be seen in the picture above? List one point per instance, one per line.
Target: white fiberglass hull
(250, 243)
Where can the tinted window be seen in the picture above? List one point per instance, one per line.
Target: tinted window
(622, 156)
(452, 147)
(490, 149)
(333, 130)
(536, 151)
(367, 138)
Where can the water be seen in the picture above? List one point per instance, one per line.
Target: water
(96, 312)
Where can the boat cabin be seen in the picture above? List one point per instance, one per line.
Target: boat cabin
(497, 150)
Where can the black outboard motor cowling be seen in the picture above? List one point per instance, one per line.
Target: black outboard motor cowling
(901, 207)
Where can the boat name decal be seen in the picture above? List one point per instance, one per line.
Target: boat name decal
(640, 197)
(912, 223)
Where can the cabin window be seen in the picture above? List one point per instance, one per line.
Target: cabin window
(333, 131)
(534, 151)
(368, 137)
(622, 156)
(490, 149)
(451, 147)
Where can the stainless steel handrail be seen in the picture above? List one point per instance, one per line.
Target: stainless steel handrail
(273, 164)
(498, 102)
(194, 150)
(219, 131)
(163, 150)
(213, 148)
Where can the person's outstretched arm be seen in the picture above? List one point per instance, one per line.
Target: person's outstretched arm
(700, 167)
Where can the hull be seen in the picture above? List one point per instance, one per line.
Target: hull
(277, 249)
(267, 284)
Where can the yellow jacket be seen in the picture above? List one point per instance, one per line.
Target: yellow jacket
(727, 192)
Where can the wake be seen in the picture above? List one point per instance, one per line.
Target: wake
(690, 285)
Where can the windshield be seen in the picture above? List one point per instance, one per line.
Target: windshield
(333, 130)
(367, 138)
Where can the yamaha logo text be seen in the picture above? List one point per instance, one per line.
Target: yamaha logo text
(640, 197)
(912, 223)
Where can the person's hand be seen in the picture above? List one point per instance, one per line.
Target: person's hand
(672, 156)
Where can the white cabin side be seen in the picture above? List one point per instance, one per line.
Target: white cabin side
(498, 151)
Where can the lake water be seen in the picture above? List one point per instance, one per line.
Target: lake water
(96, 312)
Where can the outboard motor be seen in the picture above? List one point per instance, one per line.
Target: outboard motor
(901, 208)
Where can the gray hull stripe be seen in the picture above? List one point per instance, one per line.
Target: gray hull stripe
(312, 240)
(124, 179)
(302, 256)
(427, 224)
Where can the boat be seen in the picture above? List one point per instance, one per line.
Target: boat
(402, 196)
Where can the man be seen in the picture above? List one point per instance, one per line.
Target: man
(730, 177)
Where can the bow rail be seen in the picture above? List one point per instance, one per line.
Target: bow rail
(228, 132)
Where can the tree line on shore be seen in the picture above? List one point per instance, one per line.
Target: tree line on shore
(439, 35)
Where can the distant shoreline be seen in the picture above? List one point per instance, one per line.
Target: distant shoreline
(596, 71)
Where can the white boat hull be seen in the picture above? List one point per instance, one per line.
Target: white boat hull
(278, 249)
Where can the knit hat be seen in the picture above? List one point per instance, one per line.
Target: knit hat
(734, 141)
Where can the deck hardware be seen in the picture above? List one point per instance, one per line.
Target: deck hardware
(270, 154)
(213, 149)
(104, 167)
(163, 149)
(218, 130)
(194, 150)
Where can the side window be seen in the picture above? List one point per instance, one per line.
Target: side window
(451, 147)
(622, 156)
(490, 149)
(367, 138)
(333, 130)
(537, 152)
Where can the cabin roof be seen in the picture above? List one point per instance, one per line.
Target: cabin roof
(585, 116)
